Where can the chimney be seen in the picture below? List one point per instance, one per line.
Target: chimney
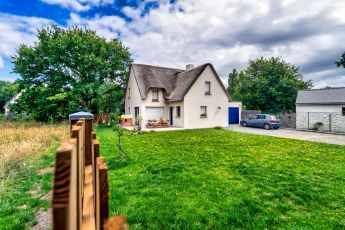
(189, 66)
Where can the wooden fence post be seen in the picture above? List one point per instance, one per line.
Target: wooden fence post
(65, 187)
(102, 193)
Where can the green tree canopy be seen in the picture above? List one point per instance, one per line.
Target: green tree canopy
(341, 62)
(270, 85)
(7, 91)
(65, 69)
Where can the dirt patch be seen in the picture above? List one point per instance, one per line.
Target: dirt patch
(35, 192)
(46, 170)
(44, 220)
(48, 196)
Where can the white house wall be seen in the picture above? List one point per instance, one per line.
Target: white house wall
(133, 98)
(196, 97)
(149, 103)
(177, 121)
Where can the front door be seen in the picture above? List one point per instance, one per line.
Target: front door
(136, 114)
(171, 113)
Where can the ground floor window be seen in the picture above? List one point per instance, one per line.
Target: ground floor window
(203, 111)
(178, 111)
(343, 111)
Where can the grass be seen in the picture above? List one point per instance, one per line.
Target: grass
(26, 149)
(217, 179)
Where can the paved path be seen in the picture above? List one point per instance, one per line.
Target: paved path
(293, 134)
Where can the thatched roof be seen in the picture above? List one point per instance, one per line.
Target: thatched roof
(174, 82)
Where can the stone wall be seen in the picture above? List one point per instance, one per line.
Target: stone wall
(288, 120)
(245, 114)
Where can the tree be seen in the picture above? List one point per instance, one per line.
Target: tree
(65, 70)
(270, 85)
(234, 80)
(7, 91)
(341, 62)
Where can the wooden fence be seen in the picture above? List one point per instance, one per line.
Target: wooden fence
(80, 196)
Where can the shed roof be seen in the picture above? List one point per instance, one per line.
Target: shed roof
(331, 96)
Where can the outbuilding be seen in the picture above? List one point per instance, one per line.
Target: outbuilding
(322, 109)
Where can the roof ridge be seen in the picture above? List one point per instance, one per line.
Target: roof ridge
(340, 87)
(162, 67)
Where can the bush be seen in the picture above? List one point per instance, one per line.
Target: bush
(317, 126)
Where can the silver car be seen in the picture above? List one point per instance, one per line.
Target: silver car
(266, 121)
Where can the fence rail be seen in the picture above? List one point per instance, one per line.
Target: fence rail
(80, 195)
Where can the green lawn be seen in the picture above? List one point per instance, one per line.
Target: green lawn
(216, 179)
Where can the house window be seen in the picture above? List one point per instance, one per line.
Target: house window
(129, 93)
(207, 88)
(155, 95)
(129, 110)
(343, 111)
(203, 111)
(178, 111)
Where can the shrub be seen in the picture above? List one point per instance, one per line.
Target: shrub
(317, 126)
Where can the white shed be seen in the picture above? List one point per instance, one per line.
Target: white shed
(326, 106)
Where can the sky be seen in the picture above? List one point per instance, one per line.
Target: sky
(227, 33)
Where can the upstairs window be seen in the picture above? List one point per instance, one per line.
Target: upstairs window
(203, 111)
(129, 93)
(178, 111)
(207, 88)
(343, 111)
(155, 95)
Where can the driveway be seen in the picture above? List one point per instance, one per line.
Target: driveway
(293, 134)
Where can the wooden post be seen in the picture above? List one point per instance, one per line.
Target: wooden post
(88, 117)
(102, 193)
(93, 134)
(95, 154)
(88, 144)
(77, 133)
(65, 187)
(88, 201)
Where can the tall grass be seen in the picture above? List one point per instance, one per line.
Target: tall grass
(22, 142)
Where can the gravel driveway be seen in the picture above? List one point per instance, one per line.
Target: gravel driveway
(293, 134)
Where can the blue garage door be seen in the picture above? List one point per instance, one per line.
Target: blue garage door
(233, 115)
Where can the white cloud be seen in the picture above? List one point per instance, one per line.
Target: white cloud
(306, 33)
(1, 63)
(79, 5)
(16, 30)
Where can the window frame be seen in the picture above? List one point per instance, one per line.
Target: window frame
(178, 111)
(202, 113)
(155, 91)
(207, 88)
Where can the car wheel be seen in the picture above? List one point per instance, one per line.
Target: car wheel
(267, 126)
(244, 124)
(276, 127)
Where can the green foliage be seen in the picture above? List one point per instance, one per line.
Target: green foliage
(341, 62)
(318, 125)
(269, 85)
(7, 91)
(67, 70)
(234, 80)
(109, 98)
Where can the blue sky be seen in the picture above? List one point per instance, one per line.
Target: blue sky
(174, 33)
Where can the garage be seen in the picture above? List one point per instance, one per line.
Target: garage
(154, 112)
(234, 115)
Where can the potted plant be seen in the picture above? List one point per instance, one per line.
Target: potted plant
(138, 121)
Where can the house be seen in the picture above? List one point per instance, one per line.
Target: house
(326, 106)
(194, 97)
(10, 102)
